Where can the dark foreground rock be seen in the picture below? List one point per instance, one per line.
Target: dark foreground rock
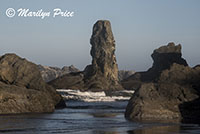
(102, 74)
(22, 89)
(173, 93)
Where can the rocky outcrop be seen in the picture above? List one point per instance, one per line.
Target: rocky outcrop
(22, 89)
(163, 58)
(124, 74)
(169, 94)
(69, 81)
(102, 74)
(51, 73)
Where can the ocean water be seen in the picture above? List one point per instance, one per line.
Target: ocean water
(89, 118)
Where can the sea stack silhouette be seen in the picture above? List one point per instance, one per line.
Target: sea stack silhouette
(102, 74)
(163, 57)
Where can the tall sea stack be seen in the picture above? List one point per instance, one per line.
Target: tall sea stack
(102, 74)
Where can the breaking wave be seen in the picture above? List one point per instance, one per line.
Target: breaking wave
(88, 96)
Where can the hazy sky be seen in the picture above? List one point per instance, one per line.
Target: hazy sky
(139, 26)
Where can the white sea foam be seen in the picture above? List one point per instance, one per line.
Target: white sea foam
(89, 96)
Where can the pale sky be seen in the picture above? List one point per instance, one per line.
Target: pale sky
(139, 26)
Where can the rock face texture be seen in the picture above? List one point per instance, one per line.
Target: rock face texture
(51, 73)
(172, 94)
(22, 89)
(102, 74)
(69, 81)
